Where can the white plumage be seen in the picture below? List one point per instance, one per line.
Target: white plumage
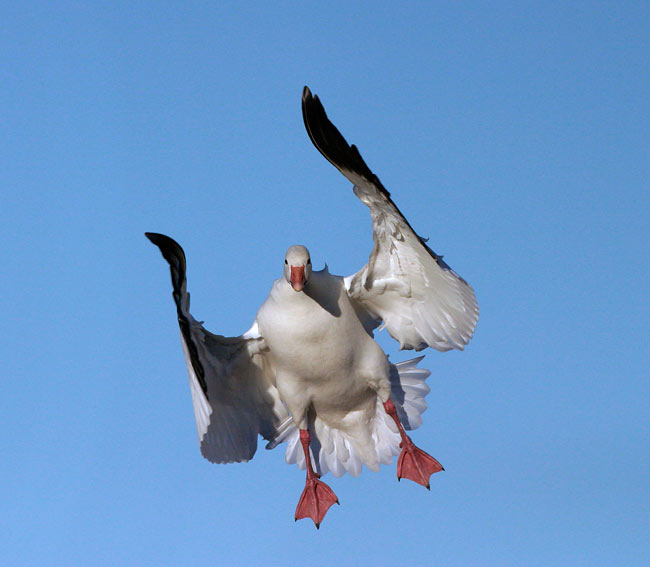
(308, 372)
(338, 456)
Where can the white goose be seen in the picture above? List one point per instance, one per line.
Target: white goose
(308, 371)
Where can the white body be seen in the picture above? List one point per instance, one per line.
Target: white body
(324, 362)
(309, 361)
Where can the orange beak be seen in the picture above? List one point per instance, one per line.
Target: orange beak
(297, 277)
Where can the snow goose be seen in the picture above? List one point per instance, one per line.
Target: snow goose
(308, 372)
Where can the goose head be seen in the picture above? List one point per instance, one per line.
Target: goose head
(297, 267)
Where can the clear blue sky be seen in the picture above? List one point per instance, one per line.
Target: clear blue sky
(515, 135)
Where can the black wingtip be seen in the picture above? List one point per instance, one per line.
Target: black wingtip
(170, 249)
(323, 134)
(162, 240)
(175, 257)
(330, 142)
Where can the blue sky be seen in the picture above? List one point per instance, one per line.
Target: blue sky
(515, 135)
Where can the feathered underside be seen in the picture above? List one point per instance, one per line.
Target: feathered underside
(333, 450)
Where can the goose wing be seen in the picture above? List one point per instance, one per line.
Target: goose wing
(406, 285)
(232, 390)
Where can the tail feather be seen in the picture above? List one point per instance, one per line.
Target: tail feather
(408, 392)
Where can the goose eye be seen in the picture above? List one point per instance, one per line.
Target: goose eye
(285, 261)
(308, 260)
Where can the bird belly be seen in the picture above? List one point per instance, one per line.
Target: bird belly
(323, 360)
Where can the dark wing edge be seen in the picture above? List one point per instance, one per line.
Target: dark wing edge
(346, 158)
(232, 398)
(175, 256)
(331, 143)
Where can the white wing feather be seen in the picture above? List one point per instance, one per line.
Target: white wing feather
(420, 299)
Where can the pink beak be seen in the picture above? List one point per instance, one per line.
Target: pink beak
(297, 277)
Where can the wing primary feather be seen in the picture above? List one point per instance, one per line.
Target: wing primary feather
(331, 143)
(175, 256)
(345, 157)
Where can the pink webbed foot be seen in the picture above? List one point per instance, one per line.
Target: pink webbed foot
(315, 501)
(416, 465)
(413, 463)
(317, 498)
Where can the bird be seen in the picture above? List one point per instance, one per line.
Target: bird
(308, 371)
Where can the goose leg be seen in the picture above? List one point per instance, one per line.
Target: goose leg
(413, 463)
(317, 497)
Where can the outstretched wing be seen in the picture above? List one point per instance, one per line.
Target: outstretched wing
(420, 299)
(232, 392)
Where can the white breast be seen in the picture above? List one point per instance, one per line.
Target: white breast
(318, 346)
